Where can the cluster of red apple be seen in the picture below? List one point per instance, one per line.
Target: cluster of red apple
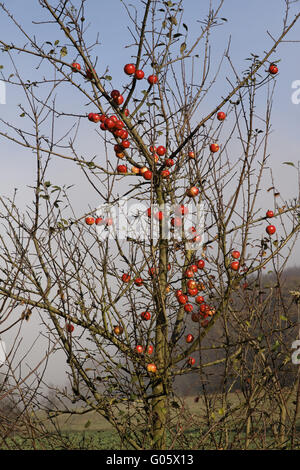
(130, 69)
(193, 287)
(98, 221)
(177, 220)
(270, 229)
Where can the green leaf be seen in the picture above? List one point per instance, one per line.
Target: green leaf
(288, 163)
(87, 424)
(282, 317)
(173, 20)
(22, 115)
(1, 67)
(56, 42)
(47, 184)
(185, 26)
(108, 77)
(177, 35)
(63, 51)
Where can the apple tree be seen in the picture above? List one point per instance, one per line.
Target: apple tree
(151, 275)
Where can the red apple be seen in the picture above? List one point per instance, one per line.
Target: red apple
(119, 100)
(182, 299)
(115, 94)
(214, 148)
(138, 281)
(191, 154)
(69, 328)
(129, 69)
(193, 191)
(152, 79)
(191, 284)
(189, 338)
(89, 220)
(189, 273)
(188, 308)
(161, 150)
(236, 254)
(195, 317)
(151, 368)
(139, 74)
(76, 67)
(221, 116)
(109, 123)
(150, 349)
(203, 308)
(99, 221)
(271, 229)
(169, 162)
(269, 214)
(125, 144)
(155, 158)
(143, 170)
(273, 69)
(119, 124)
(146, 315)
(199, 299)
(139, 349)
(201, 263)
(118, 330)
(123, 134)
(147, 175)
(126, 277)
(165, 173)
(91, 116)
(122, 169)
(191, 361)
(193, 292)
(235, 265)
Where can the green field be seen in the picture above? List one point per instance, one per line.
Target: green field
(91, 431)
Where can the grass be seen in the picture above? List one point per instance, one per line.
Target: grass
(91, 431)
